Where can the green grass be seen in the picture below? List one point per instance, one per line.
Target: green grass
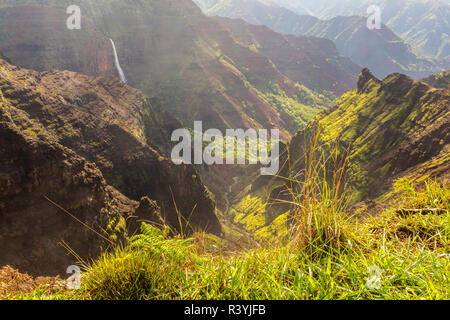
(413, 265)
(327, 253)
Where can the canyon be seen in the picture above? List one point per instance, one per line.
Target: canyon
(98, 126)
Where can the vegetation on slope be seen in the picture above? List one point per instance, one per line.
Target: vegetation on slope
(427, 31)
(392, 256)
(388, 129)
(313, 246)
(441, 80)
(381, 50)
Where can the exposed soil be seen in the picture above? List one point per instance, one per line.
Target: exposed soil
(13, 283)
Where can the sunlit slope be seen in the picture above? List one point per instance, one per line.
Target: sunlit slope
(423, 24)
(386, 129)
(380, 50)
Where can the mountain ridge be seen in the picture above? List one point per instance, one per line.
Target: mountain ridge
(380, 50)
(387, 129)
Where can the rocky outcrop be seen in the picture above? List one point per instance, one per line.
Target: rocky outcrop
(38, 38)
(313, 62)
(81, 142)
(364, 78)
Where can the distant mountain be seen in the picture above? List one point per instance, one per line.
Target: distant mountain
(423, 24)
(194, 64)
(380, 50)
(238, 7)
(311, 61)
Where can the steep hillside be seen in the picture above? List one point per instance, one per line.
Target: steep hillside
(3, 56)
(38, 39)
(423, 24)
(379, 50)
(392, 126)
(40, 179)
(311, 61)
(192, 63)
(387, 129)
(109, 124)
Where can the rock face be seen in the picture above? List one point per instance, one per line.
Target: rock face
(77, 140)
(38, 38)
(395, 127)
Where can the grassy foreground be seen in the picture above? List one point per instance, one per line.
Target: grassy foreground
(398, 254)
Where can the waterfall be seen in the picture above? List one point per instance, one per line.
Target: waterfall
(227, 200)
(116, 62)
